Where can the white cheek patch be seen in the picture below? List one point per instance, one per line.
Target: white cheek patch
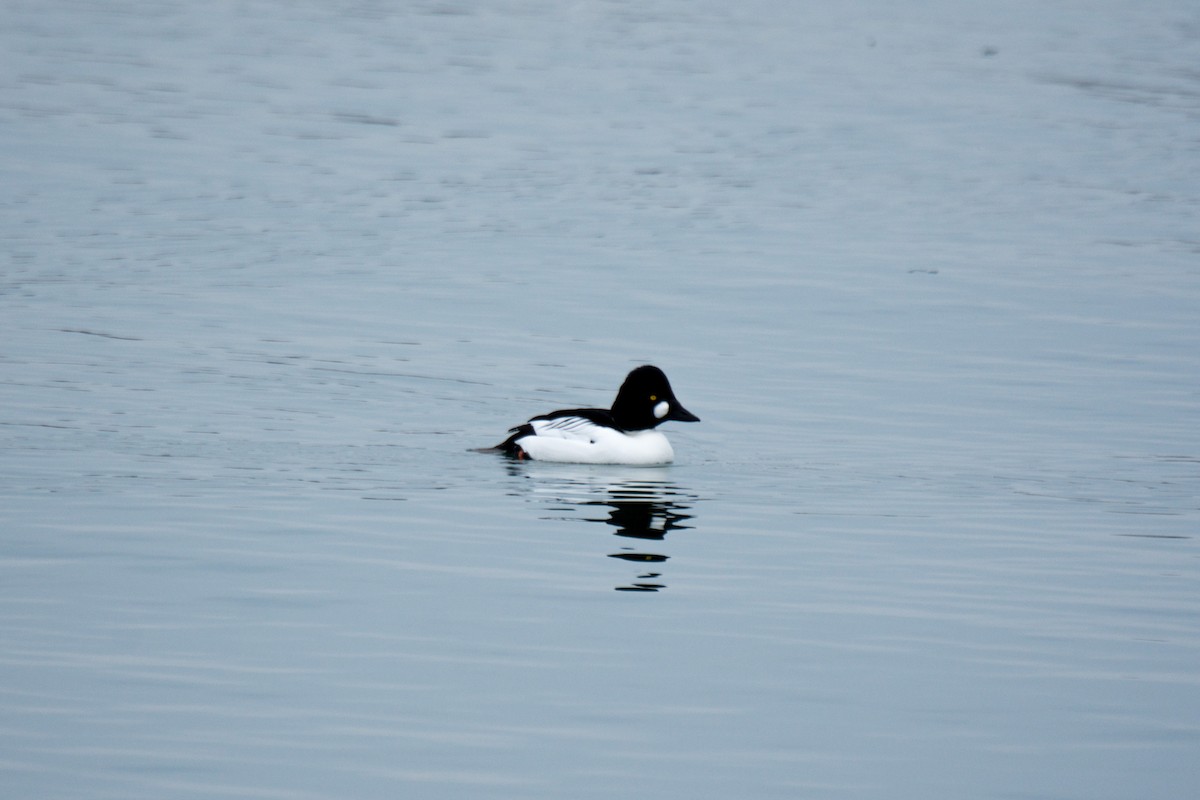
(661, 409)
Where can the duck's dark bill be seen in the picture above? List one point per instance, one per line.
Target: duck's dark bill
(681, 414)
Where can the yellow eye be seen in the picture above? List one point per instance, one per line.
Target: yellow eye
(653, 397)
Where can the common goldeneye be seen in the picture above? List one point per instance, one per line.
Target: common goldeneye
(622, 435)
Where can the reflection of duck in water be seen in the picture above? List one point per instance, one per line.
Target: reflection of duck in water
(643, 511)
(644, 508)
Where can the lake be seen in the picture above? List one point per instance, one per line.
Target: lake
(928, 273)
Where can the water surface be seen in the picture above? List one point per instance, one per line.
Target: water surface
(929, 275)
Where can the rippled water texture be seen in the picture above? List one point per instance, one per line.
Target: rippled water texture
(928, 272)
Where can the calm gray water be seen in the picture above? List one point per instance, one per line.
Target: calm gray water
(929, 273)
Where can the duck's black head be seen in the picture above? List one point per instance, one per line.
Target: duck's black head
(645, 400)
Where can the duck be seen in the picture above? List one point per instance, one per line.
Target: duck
(623, 434)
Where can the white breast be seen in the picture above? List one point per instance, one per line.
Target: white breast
(580, 441)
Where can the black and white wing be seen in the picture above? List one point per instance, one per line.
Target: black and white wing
(575, 425)
(567, 426)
